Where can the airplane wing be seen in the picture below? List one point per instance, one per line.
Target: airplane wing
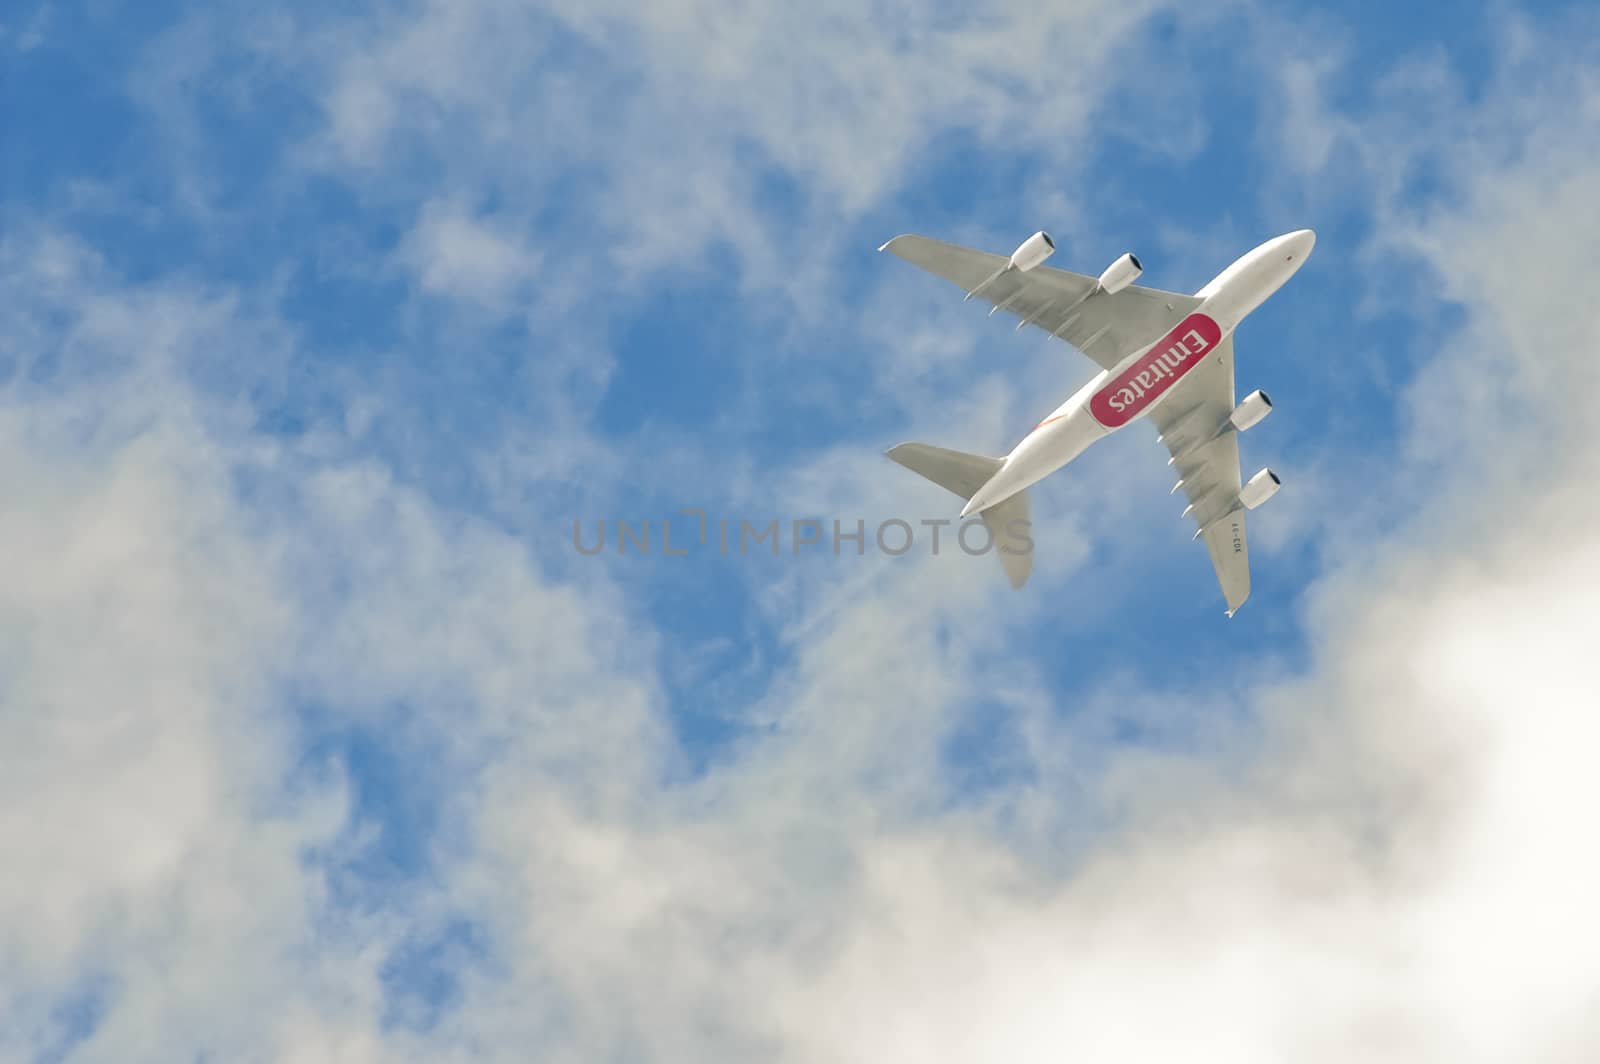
(1206, 463)
(1105, 326)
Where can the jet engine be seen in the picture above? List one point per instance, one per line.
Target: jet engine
(1251, 409)
(1120, 274)
(1259, 488)
(1033, 251)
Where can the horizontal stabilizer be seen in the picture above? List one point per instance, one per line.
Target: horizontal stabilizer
(1012, 533)
(963, 474)
(954, 471)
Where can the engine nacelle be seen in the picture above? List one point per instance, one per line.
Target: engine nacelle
(1259, 488)
(1033, 251)
(1121, 274)
(1251, 409)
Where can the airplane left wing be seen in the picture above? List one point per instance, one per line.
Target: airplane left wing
(1193, 422)
(1106, 326)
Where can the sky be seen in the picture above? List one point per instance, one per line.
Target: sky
(322, 326)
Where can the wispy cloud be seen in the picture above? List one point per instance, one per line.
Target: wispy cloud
(1379, 854)
(458, 255)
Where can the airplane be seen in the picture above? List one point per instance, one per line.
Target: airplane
(1163, 355)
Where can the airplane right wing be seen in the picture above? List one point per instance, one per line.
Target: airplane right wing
(1106, 326)
(1205, 456)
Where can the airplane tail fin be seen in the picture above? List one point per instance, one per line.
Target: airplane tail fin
(963, 474)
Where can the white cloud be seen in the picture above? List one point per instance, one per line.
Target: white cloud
(467, 257)
(1393, 866)
(193, 606)
(152, 847)
(668, 157)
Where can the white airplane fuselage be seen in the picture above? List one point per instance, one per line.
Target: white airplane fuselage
(1131, 389)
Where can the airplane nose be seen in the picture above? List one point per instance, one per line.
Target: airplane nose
(1293, 248)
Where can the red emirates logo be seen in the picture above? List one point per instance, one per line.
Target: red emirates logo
(1130, 392)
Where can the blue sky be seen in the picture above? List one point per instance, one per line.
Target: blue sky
(321, 329)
